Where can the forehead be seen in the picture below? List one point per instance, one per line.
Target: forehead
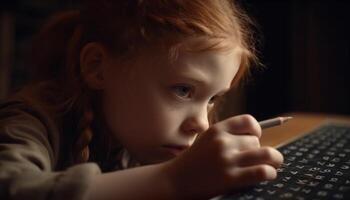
(206, 61)
(213, 67)
(210, 65)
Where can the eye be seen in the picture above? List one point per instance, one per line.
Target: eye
(183, 91)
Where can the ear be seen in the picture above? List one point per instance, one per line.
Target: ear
(92, 63)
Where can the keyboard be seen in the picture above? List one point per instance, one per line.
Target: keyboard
(316, 166)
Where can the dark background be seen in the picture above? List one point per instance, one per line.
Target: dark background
(306, 53)
(305, 47)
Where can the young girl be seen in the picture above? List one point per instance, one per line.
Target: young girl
(125, 106)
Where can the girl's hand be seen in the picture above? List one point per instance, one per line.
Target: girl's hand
(227, 156)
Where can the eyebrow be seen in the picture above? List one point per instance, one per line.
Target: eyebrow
(194, 76)
(201, 81)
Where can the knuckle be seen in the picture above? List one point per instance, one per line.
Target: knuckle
(255, 141)
(280, 159)
(264, 172)
(250, 122)
(235, 152)
(248, 119)
(230, 173)
(225, 159)
(268, 153)
(258, 130)
(249, 142)
(219, 143)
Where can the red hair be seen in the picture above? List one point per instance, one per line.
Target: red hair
(124, 27)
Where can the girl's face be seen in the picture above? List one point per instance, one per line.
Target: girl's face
(156, 107)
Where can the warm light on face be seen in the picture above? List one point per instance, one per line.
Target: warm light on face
(166, 103)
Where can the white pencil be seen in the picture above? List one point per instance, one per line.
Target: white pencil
(273, 122)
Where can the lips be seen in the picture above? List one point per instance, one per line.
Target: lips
(175, 149)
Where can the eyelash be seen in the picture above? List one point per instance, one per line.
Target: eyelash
(189, 93)
(213, 99)
(177, 89)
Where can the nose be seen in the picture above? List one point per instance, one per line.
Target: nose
(196, 122)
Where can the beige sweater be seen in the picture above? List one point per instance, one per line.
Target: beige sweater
(34, 157)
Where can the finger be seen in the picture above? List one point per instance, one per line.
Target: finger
(264, 155)
(243, 142)
(241, 124)
(251, 175)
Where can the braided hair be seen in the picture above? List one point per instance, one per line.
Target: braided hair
(123, 27)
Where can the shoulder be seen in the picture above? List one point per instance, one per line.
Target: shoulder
(18, 110)
(28, 125)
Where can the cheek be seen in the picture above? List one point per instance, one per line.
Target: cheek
(156, 118)
(164, 121)
(142, 117)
